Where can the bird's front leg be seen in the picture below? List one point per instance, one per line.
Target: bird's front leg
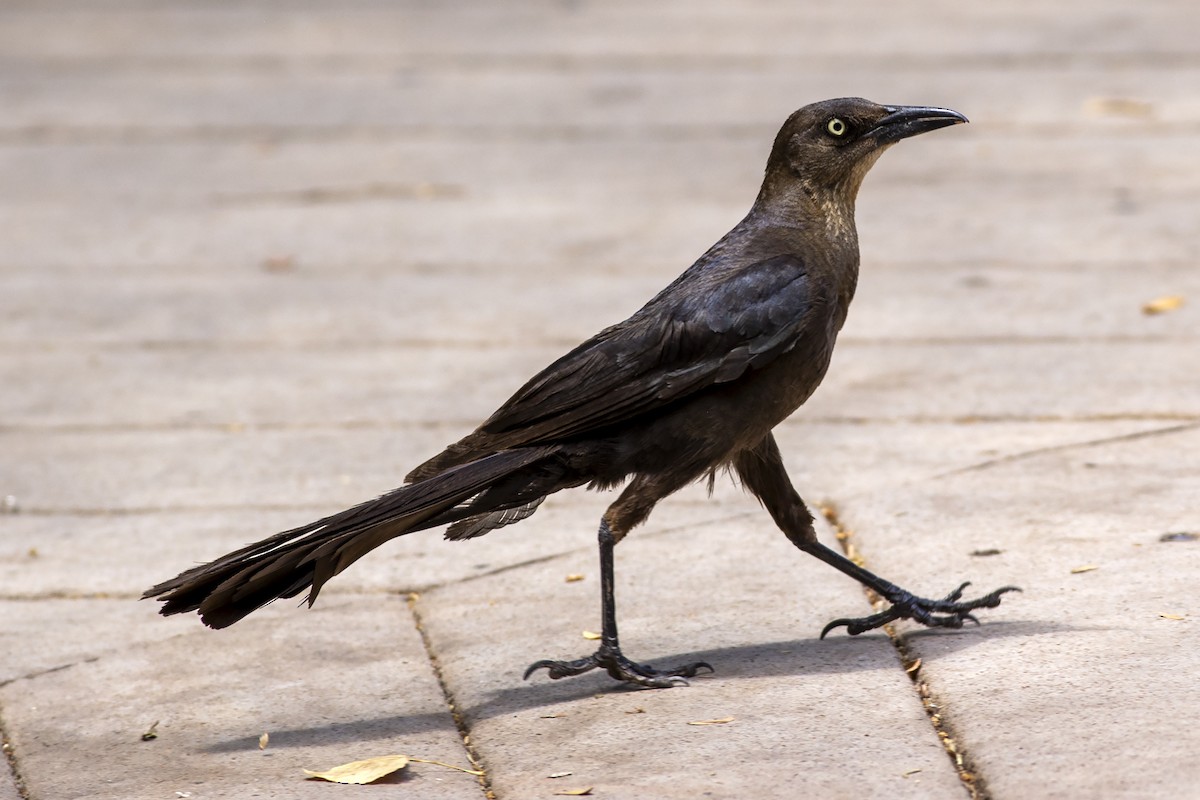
(762, 472)
(609, 656)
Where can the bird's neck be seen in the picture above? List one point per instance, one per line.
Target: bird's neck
(818, 225)
(819, 210)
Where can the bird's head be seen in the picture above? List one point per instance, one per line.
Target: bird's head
(828, 147)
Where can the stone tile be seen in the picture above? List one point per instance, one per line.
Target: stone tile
(287, 473)
(106, 104)
(1104, 679)
(934, 381)
(896, 302)
(691, 32)
(349, 681)
(740, 597)
(54, 633)
(8, 786)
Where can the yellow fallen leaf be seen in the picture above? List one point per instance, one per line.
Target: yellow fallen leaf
(575, 792)
(1084, 568)
(1173, 616)
(720, 721)
(365, 771)
(1118, 107)
(559, 774)
(913, 667)
(591, 635)
(1161, 305)
(574, 577)
(262, 741)
(151, 732)
(909, 772)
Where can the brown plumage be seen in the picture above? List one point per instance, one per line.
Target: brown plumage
(692, 382)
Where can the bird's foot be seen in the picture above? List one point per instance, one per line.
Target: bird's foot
(613, 661)
(948, 612)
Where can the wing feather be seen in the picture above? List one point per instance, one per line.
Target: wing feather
(677, 345)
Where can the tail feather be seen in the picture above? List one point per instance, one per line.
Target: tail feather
(289, 562)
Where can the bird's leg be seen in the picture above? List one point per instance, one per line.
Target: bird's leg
(609, 656)
(947, 612)
(762, 472)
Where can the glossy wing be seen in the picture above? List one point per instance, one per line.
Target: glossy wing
(680, 343)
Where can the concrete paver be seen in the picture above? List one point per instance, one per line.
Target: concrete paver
(348, 681)
(222, 388)
(801, 708)
(694, 31)
(8, 788)
(1098, 653)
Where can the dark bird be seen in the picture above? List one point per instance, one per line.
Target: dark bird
(691, 383)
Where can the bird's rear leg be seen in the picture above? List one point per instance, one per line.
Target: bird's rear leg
(948, 612)
(609, 656)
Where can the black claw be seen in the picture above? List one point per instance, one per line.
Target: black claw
(857, 625)
(562, 669)
(621, 668)
(691, 670)
(945, 613)
(957, 593)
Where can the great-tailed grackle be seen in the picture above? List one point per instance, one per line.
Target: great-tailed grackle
(692, 382)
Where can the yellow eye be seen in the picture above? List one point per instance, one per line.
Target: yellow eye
(836, 127)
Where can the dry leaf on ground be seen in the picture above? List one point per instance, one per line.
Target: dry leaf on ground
(365, 771)
(1161, 305)
(574, 577)
(262, 741)
(591, 635)
(1173, 616)
(1084, 568)
(559, 774)
(1118, 107)
(720, 721)
(575, 792)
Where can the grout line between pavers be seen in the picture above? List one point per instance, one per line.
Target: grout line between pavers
(460, 722)
(499, 343)
(959, 759)
(240, 427)
(336, 63)
(76, 134)
(1058, 448)
(10, 759)
(29, 676)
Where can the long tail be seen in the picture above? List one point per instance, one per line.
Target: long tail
(478, 496)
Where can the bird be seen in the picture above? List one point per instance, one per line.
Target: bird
(692, 383)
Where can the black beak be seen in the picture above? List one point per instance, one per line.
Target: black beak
(905, 121)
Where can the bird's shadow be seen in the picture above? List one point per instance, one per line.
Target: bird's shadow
(794, 657)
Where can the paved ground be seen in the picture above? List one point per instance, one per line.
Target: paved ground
(260, 259)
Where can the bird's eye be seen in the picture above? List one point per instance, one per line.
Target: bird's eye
(836, 127)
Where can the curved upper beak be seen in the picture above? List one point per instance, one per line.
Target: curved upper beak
(905, 121)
